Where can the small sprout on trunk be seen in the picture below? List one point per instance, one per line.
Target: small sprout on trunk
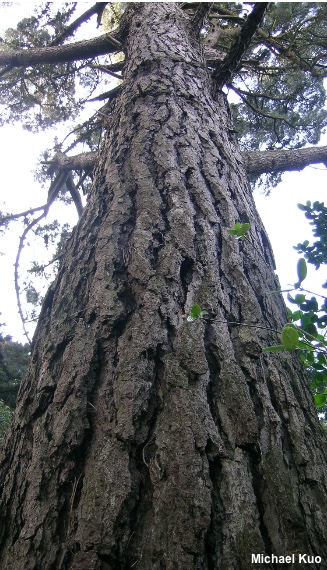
(196, 313)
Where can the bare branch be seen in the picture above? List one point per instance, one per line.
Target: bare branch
(83, 161)
(117, 66)
(232, 61)
(74, 194)
(16, 266)
(259, 162)
(95, 9)
(105, 69)
(225, 14)
(62, 182)
(38, 268)
(4, 219)
(81, 180)
(59, 54)
(107, 95)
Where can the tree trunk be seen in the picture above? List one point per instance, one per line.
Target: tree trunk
(141, 440)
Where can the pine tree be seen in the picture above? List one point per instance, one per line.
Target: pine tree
(142, 439)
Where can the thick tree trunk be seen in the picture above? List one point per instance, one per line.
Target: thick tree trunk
(141, 440)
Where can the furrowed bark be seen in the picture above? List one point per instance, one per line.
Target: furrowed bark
(255, 162)
(142, 440)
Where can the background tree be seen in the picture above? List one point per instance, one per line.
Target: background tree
(13, 364)
(141, 439)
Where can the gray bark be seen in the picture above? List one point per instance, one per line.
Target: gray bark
(59, 54)
(85, 161)
(255, 162)
(258, 162)
(141, 440)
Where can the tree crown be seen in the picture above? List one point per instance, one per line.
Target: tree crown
(269, 57)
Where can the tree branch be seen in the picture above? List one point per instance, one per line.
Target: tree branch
(16, 266)
(63, 180)
(232, 61)
(74, 194)
(105, 69)
(258, 162)
(64, 164)
(260, 111)
(4, 219)
(107, 95)
(201, 14)
(83, 161)
(257, 94)
(95, 9)
(59, 54)
(272, 42)
(225, 14)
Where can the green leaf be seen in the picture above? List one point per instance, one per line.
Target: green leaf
(321, 339)
(302, 269)
(310, 357)
(239, 230)
(289, 313)
(320, 400)
(290, 337)
(299, 298)
(311, 329)
(196, 310)
(309, 304)
(196, 313)
(320, 379)
(296, 316)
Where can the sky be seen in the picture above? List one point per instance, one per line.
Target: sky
(19, 152)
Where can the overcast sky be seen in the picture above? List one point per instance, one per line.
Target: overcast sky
(19, 151)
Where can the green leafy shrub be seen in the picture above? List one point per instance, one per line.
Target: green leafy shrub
(5, 419)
